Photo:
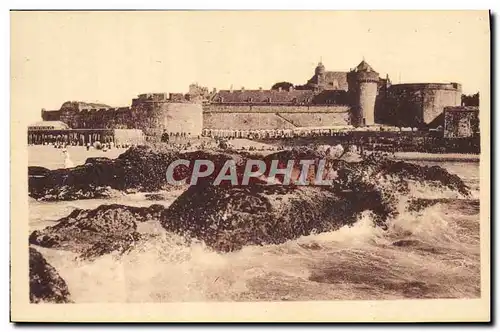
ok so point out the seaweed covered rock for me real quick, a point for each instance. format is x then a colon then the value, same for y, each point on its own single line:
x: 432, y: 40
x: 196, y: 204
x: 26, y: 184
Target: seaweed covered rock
x: 435, y: 176
x: 392, y: 179
x: 46, y: 285
x: 375, y: 176
x: 93, y: 233
x: 372, y: 170
x: 227, y: 218
x: 93, y: 180
x: 137, y: 169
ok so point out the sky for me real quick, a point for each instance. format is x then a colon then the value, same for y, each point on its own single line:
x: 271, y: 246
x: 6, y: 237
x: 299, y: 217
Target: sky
x: 111, y: 57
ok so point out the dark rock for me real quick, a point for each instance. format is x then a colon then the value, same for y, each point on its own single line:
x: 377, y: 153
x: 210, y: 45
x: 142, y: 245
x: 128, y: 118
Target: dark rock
x: 227, y: 218
x: 138, y: 169
x: 95, y: 232
x: 435, y: 175
x: 46, y: 285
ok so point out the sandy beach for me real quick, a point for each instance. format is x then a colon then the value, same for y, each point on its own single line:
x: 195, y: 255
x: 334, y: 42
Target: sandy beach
x: 49, y: 157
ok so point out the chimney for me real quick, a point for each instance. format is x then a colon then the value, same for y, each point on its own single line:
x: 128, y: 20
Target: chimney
x: 242, y: 88
x: 290, y: 88
x: 279, y: 89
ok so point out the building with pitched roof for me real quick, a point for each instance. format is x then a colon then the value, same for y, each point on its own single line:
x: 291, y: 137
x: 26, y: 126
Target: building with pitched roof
x: 329, y: 98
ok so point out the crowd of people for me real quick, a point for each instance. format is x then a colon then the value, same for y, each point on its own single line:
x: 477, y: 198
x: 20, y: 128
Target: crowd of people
x: 96, y: 145
x: 170, y: 136
x: 296, y: 132
x: 272, y: 133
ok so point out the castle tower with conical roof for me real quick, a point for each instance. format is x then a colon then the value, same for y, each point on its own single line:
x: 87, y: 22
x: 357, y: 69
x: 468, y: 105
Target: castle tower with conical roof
x: 363, y: 88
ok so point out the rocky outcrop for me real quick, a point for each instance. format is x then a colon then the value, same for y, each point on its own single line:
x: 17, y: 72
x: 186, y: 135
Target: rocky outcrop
x: 435, y: 176
x: 227, y: 218
x: 137, y: 169
x: 46, y: 285
x: 93, y: 233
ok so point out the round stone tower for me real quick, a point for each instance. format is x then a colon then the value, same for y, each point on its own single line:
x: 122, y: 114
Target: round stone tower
x: 157, y: 113
x: 363, y: 88
x: 320, y: 75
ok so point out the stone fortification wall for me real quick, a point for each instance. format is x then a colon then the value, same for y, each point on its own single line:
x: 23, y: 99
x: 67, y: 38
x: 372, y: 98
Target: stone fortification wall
x: 317, y: 119
x: 435, y: 100
x: 273, y: 116
x: 97, y: 118
x: 154, y: 113
x: 276, y: 108
x: 156, y: 118
x: 244, y: 121
x: 421, y: 103
x: 183, y: 118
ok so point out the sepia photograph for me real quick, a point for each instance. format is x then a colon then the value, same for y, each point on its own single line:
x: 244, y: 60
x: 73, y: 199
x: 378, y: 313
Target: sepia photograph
x: 250, y: 165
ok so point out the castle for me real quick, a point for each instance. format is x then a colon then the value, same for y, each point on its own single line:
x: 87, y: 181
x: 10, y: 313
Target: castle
x: 358, y: 98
